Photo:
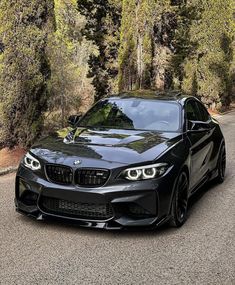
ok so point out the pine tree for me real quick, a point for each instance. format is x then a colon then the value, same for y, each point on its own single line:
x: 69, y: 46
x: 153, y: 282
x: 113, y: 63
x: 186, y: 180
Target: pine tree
x: 24, y: 68
x: 207, y: 69
x: 136, y: 45
x: 68, y: 51
x: 147, y: 35
x: 136, y: 49
x: 164, y: 38
x: 102, y: 28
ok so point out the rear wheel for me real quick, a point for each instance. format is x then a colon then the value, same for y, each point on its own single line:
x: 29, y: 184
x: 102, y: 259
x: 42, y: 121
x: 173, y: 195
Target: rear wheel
x: 221, y: 165
x: 180, y: 201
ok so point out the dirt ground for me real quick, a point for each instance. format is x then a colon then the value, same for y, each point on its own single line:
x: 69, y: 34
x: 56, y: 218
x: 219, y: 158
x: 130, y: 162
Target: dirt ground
x: 10, y: 158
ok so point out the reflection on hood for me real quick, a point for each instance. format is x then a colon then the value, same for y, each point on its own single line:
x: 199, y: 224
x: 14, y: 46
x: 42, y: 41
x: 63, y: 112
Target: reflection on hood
x: 124, y: 146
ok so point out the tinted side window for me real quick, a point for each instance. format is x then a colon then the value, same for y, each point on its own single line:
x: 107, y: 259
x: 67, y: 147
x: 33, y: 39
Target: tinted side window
x: 192, y: 111
x: 204, y: 114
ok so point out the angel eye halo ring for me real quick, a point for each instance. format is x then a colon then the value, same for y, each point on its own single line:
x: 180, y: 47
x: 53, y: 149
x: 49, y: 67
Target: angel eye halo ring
x: 145, y: 172
x: 31, y: 162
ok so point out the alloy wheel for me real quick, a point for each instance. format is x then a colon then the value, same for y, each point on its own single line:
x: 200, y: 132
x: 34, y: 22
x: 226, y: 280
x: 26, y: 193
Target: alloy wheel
x: 180, y: 201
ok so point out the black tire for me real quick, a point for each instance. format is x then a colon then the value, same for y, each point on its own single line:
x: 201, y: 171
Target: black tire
x: 180, y: 201
x: 221, y: 165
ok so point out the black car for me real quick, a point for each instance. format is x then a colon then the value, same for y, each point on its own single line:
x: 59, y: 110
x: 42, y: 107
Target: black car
x: 131, y: 160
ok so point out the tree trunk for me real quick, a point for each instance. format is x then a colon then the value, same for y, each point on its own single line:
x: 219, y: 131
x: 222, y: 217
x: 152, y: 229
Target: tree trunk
x: 139, y: 37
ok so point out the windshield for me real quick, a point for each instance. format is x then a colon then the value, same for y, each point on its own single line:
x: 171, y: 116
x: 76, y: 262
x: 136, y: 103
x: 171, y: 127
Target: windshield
x: 133, y: 114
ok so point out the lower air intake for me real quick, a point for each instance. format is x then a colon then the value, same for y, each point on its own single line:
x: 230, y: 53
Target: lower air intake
x: 74, y: 209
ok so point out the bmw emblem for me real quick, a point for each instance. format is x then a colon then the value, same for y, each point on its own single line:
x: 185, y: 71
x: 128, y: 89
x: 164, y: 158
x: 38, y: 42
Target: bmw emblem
x: 77, y: 162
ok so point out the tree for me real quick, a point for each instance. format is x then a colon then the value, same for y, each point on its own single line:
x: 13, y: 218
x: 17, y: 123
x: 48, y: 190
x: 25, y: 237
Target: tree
x: 164, y: 38
x: 207, y: 68
x: 184, y: 44
x: 147, y: 36
x: 24, y: 69
x: 102, y: 28
x: 68, y: 51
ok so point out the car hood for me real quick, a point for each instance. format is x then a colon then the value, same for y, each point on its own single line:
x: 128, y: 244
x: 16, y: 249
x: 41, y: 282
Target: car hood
x: 107, y: 145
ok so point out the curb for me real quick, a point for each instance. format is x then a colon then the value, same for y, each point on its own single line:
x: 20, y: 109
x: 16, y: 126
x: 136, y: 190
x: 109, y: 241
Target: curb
x: 8, y: 170
x: 228, y: 112
x: 221, y: 115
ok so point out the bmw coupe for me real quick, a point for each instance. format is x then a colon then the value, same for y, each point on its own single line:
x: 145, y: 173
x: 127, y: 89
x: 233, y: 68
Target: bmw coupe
x: 132, y: 160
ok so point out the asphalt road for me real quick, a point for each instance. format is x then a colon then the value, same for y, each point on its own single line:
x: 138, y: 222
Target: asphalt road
x: 201, y: 252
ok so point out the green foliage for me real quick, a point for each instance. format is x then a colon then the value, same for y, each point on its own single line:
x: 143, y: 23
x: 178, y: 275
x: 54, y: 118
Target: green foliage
x: 24, y: 68
x: 55, y: 54
x: 135, y: 53
x: 68, y: 51
x: 179, y: 44
x: 183, y: 46
x: 207, y: 68
x: 142, y: 29
x: 102, y: 28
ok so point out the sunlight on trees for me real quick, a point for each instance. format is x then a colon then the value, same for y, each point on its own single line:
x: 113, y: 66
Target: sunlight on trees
x: 58, y: 56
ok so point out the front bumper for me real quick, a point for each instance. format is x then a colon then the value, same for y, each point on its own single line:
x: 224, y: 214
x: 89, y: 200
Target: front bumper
x: 131, y: 204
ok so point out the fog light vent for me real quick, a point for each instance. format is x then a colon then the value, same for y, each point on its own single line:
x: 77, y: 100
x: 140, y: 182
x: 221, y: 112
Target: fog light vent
x: 137, y: 211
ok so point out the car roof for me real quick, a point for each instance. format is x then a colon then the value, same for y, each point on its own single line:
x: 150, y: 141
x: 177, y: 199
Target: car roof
x: 169, y: 95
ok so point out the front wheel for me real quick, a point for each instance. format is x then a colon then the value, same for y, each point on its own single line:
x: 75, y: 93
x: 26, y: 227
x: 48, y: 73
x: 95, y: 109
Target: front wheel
x: 221, y: 165
x: 180, y: 201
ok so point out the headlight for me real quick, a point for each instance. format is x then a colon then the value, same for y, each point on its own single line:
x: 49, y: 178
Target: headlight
x: 145, y: 172
x: 31, y: 162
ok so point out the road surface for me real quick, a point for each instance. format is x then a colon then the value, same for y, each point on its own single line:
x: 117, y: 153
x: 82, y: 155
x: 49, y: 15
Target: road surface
x: 201, y: 252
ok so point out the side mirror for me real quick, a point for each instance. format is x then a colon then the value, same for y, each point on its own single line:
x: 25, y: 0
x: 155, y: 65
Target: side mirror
x: 198, y: 126
x: 73, y: 120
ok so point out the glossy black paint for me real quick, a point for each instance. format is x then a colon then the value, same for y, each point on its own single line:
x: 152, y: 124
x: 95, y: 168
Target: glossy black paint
x: 193, y: 149
x: 73, y: 120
